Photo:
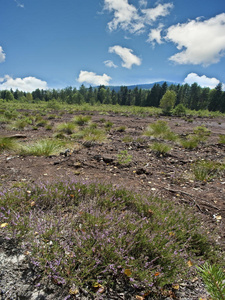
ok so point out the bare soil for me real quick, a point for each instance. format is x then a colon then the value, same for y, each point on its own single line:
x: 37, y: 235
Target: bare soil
x: 165, y: 176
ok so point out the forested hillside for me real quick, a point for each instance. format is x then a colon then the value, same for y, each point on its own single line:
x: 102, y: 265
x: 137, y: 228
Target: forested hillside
x: 191, y: 96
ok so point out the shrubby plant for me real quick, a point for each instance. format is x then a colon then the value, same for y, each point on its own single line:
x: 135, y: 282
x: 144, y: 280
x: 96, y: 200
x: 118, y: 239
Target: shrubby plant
x: 180, y: 110
x: 82, y: 233
x: 160, y: 148
x: 214, y: 279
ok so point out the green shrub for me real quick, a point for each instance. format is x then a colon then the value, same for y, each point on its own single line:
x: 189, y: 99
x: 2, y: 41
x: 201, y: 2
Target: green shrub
x: 214, y: 280
x: 160, y: 148
x: 124, y: 158
x: 180, y: 110
x: 189, y: 143
x: 202, y: 133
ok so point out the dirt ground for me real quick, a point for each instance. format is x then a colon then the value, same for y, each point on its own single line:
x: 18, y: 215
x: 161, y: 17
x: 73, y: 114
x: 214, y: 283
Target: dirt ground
x: 166, y: 176
x: 169, y: 177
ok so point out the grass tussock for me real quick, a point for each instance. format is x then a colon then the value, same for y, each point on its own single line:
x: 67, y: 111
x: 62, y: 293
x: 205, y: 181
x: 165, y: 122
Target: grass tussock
x: 7, y: 143
x: 160, y: 148
x: 82, y: 233
x: 43, y: 147
x: 206, y: 170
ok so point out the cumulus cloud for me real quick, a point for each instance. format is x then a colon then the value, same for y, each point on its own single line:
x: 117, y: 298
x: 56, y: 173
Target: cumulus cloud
x: 161, y: 10
x: 128, y: 58
x: 110, y: 64
x: 155, y: 35
x: 2, y: 55
x: 200, y: 42
x: 93, y: 78
x: 127, y: 17
x: 26, y: 84
x: 203, y: 80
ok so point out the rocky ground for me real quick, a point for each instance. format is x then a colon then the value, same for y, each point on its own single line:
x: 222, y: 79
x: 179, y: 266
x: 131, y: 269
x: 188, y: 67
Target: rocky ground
x: 166, y: 176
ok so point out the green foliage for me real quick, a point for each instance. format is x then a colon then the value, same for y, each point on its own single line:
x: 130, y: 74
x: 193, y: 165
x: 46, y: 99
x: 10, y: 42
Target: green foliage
x: 127, y: 139
x: 160, y: 129
x: 67, y: 128
x: 124, y: 158
x: 90, y: 134
x: 189, y: 143
x: 221, y: 139
x: 168, y: 101
x: 81, y: 120
x: 205, y: 170
x: 8, y: 144
x: 202, y: 133
x: 43, y: 147
x: 160, y: 148
x: 121, y: 128
x: 157, y: 129
x: 108, y: 125
x: 180, y: 110
x: 214, y: 280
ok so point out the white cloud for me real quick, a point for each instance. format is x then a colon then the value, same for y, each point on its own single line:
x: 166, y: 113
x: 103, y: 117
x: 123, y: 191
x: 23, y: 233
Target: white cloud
x: 161, y: 10
x: 2, y: 55
x: 125, y: 16
x: 203, y: 80
x: 26, y: 84
x: 110, y: 64
x: 129, y: 59
x: 143, y: 3
x: 93, y: 78
x: 203, y: 41
x: 19, y: 4
x: 155, y: 35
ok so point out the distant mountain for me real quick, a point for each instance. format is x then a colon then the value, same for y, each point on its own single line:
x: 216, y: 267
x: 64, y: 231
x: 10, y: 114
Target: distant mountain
x: 146, y: 86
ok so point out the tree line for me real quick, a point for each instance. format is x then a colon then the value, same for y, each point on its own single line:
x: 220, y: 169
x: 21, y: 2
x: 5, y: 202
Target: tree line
x: 191, y: 96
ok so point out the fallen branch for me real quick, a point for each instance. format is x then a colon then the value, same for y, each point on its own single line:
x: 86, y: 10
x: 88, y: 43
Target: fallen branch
x: 192, y: 196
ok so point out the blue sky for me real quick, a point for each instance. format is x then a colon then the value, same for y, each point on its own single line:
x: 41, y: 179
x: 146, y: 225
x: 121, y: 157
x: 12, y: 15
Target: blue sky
x: 60, y: 43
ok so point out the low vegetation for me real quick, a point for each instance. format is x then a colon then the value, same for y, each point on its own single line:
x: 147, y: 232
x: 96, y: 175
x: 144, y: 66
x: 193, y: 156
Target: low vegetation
x: 88, y: 234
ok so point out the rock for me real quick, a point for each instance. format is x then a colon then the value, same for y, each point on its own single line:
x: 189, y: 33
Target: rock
x: 108, y: 159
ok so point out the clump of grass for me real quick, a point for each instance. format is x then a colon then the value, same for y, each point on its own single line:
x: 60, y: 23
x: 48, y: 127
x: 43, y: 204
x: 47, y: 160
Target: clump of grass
x: 11, y: 114
x: 160, y: 129
x: 157, y: 129
x: 222, y: 139
x: 160, y: 148
x: 20, y: 124
x: 121, y: 128
x: 90, y: 134
x: 7, y: 143
x: 108, y: 125
x: 81, y: 120
x: 189, y: 143
x: 205, y: 170
x: 43, y: 147
x: 80, y: 233
x: 124, y: 158
x: 67, y: 128
x: 202, y: 133
x: 127, y: 139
